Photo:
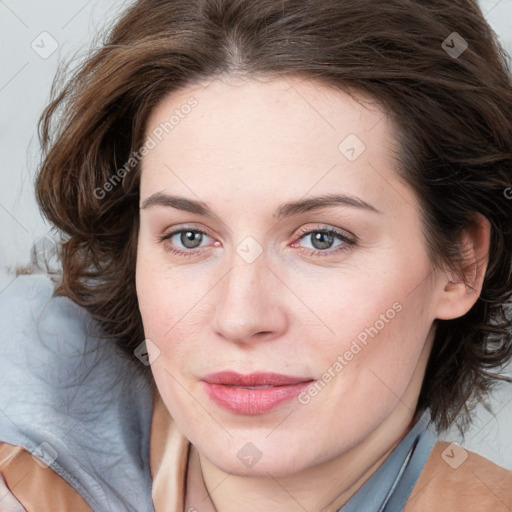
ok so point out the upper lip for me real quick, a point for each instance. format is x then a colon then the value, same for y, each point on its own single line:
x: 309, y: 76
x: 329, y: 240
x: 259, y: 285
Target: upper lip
x: 230, y: 378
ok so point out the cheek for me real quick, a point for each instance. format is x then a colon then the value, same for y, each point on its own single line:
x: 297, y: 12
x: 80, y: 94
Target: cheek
x: 350, y: 306
x: 160, y: 295
x: 173, y: 305
x: 378, y: 330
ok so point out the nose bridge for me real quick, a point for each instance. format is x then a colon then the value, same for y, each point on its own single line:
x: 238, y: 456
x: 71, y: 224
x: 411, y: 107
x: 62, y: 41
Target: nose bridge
x: 242, y: 281
x: 247, y: 304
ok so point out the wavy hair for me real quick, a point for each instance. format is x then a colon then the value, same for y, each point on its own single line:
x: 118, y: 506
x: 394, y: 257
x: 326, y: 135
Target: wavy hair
x: 435, y: 66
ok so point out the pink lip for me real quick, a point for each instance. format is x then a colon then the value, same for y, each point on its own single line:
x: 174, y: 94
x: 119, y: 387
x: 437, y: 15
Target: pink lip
x: 227, y: 390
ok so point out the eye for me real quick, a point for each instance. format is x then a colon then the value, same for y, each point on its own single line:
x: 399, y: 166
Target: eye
x: 184, y: 240
x: 323, y: 240
x: 187, y: 241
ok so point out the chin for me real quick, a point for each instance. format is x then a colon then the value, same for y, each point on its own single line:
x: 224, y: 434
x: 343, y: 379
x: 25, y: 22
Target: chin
x: 246, y: 458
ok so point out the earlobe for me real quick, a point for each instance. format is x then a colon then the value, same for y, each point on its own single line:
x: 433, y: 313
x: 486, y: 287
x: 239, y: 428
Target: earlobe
x: 461, y: 291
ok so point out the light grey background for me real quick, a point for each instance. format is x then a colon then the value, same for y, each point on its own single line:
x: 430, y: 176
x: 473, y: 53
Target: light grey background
x: 26, y: 74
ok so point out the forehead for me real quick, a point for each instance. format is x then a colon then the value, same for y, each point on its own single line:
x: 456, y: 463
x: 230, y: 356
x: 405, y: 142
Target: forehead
x: 287, y: 132
x: 286, y: 107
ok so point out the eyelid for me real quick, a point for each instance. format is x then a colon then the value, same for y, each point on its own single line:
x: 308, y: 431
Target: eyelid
x: 324, y: 227
x: 347, y: 242
x: 347, y: 239
x: 180, y: 229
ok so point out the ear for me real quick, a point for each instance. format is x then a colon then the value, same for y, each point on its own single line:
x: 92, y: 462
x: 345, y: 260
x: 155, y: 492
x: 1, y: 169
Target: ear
x: 460, y: 292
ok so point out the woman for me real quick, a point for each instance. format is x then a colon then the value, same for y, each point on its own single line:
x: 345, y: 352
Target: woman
x: 293, y: 219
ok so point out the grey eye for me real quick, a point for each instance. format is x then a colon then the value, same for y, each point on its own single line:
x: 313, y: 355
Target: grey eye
x: 191, y: 239
x: 321, y: 240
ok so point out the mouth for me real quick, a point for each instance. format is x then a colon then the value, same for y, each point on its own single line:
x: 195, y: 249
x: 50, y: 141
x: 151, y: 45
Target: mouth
x: 252, y: 394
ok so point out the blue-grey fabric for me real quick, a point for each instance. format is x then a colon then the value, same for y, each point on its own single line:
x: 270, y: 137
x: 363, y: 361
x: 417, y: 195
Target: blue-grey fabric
x: 65, y: 390
x: 59, y: 381
x: 391, y: 485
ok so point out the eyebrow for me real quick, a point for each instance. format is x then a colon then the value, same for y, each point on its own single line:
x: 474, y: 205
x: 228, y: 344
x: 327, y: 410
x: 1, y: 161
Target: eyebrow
x: 285, y: 210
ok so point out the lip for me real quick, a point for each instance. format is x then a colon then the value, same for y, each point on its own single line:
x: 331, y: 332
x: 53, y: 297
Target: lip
x: 228, y: 390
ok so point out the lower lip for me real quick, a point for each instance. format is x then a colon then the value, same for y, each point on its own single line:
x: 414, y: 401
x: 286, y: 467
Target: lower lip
x: 253, y: 401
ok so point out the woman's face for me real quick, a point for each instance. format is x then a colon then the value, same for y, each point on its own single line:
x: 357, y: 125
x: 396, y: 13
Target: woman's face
x: 276, y: 237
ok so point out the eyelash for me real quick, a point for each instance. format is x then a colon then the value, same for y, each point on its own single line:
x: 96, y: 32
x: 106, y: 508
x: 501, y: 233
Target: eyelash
x: 318, y: 253
x: 345, y: 246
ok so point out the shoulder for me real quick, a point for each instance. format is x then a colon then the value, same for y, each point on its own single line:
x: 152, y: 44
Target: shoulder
x: 457, y: 479
x: 47, y: 349
x: 31, y: 291
x: 27, y: 307
x: 36, y: 486
x: 68, y: 391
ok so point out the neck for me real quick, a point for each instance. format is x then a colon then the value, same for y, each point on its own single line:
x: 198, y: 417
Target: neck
x: 326, y: 486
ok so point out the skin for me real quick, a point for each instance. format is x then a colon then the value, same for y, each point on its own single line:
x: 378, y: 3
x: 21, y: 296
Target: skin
x: 248, y: 147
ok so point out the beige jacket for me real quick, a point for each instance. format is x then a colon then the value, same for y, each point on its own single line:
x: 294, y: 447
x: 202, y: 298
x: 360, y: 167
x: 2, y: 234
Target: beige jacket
x: 477, y: 485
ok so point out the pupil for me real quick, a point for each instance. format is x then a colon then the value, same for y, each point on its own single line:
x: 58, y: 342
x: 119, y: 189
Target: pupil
x: 189, y: 239
x: 323, y: 239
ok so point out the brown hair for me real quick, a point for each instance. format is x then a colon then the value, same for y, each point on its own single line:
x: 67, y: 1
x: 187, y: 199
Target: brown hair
x: 453, y: 113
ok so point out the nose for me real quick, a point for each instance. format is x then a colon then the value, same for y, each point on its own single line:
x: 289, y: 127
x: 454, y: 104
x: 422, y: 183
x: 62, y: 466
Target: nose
x: 249, y: 305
